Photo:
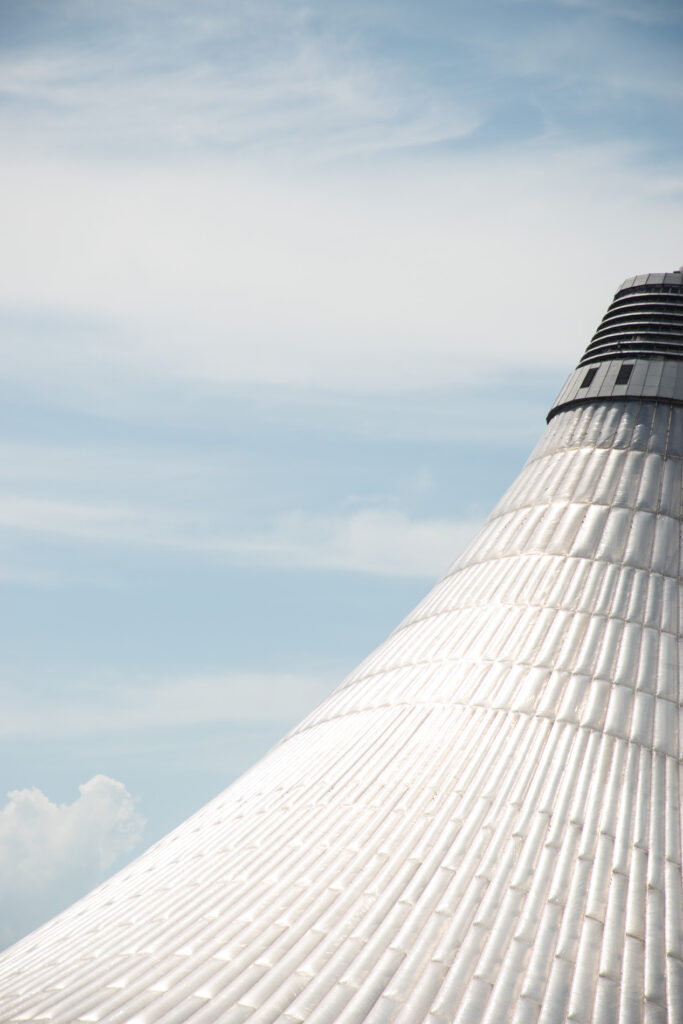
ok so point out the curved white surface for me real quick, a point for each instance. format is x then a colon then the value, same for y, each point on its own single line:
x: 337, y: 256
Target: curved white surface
x: 481, y: 824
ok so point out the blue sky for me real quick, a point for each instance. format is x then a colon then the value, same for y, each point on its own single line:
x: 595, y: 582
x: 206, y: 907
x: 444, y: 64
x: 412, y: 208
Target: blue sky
x: 286, y: 293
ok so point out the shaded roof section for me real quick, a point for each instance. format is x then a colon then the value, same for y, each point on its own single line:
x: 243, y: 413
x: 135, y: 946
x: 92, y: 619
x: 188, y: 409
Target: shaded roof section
x: 644, y: 320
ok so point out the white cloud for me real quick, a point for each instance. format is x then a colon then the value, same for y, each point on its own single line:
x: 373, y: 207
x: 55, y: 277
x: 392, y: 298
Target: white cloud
x: 270, y: 247
x: 375, y: 540
x: 645, y: 11
x: 70, y: 519
x: 51, y: 854
x: 117, y: 703
x: 378, y: 540
x: 410, y: 279
x: 292, y: 89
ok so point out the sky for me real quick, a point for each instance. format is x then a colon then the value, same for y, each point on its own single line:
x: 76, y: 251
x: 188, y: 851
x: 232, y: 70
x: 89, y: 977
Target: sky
x: 286, y: 293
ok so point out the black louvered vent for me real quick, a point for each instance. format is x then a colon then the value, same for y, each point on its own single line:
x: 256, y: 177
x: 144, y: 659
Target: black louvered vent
x: 644, y: 321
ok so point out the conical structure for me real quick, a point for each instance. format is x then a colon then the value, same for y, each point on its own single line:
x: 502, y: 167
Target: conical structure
x: 482, y: 824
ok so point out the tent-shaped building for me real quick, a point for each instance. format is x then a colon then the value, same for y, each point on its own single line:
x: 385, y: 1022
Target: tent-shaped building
x: 482, y: 824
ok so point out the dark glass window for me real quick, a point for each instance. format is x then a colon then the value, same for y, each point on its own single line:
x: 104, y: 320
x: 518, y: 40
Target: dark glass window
x: 624, y: 374
x: 588, y: 379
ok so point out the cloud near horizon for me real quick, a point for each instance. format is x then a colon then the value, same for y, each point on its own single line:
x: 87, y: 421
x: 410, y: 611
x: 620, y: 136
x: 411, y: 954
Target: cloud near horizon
x: 52, y: 854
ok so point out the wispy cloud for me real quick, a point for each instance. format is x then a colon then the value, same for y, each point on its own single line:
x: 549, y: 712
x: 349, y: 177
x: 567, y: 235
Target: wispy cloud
x: 71, y: 519
x: 357, y: 285
x: 372, y: 540
x: 378, y: 541
x: 271, y: 248
x: 648, y: 11
x: 265, y: 80
x: 313, y: 83
x: 111, y: 703
x: 605, y: 57
x: 297, y: 196
x: 50, y: 854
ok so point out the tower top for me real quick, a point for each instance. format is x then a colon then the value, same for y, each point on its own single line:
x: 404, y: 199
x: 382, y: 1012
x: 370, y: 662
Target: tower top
x: 674, y: 277
x: 644, y: 320
x: 637, y: 350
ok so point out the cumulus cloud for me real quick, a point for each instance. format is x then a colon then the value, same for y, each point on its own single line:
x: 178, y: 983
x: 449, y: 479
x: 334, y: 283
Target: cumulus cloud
x: 51, y: 854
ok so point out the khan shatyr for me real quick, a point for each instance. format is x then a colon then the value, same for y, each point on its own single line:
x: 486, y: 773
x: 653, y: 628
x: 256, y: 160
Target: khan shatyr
x: 482, y: 824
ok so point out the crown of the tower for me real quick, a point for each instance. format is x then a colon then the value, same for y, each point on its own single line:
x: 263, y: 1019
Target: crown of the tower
x: 637, y: 350
x: 644, y: 321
